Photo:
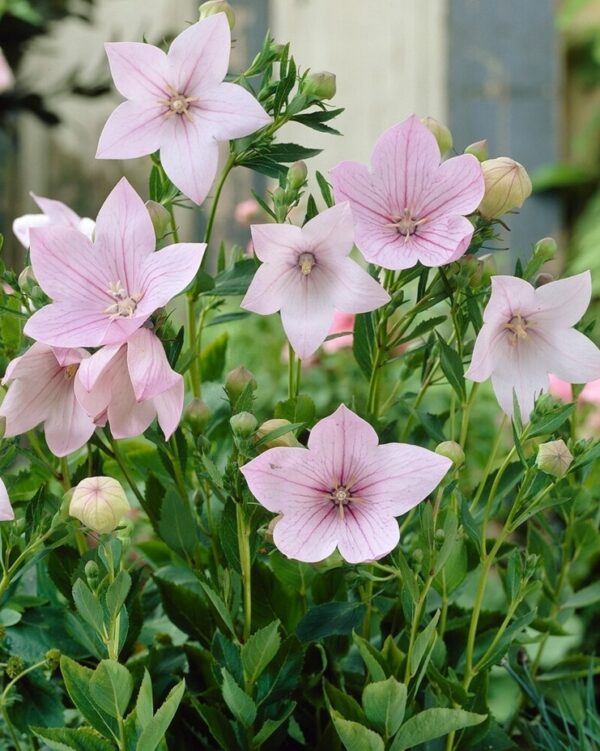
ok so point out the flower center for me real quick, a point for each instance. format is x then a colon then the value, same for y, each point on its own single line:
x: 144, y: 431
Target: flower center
x: 518, y: 328
x: 341, y: 496
x: 178, y: 104
x: 70, y: 370
x: 124, y: 305
x: 406, y: 224
x: 306, y: 261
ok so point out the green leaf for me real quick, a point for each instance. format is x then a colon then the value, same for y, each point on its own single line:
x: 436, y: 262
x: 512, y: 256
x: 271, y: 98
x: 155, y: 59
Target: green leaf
x: 584, y: 597
x: 431, y: 724
x: 177, y: 525
x: 184, y: 600
x: 329, y: 619
x: 343, y: 703
x: 270, y: 726
x: 299, y: 409
x: 212, y: 358
x: 290, y: 152
x: 422, y: 642
x: 111, y: 687
x: 422, y: 328
x: 325, y: 189
x: 236, y: 280
x: 356, y: 737
x: 363, y: 343
x: 87, y: 605
x: 220, y: 608
x: 77, y: 682
x: 259, y: 650
x: 371, y: 657
x: 550, y: 422
x: 241, y: 705
x: 155, y: 730
x: 452, y: 368
x: 218, y: 724
x: 67, y: 739
x: 144, y: 707
x: 316, y: 120
x: 385, y: 704
x: 117, y: 592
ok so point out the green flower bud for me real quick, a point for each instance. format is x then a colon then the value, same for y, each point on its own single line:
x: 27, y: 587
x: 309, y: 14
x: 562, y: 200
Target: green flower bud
x: 92, y: 573
x: 451, y: 450
x: 479, y: 149
x: 440, y: 535
x: 100, y: 503
x: 26, y: 278
x: 545, y: 250
x: 296, y: 175
x: 441, y: 133
x: 507, y: 186
x: 554, y: 458
x: 287, y: 439
x: 320, y: 84
x: 197, y: 415
x: 212, y: 7
x: 52, y: 659
x: 14, y: 666
x: 236, y: 382
x: 243, y: 424
x: 543, y: 278
x: 417, y: 555
x: 160, y: 218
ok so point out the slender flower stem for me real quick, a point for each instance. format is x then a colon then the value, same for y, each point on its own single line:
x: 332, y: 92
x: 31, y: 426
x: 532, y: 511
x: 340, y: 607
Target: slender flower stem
x: 246, y: 567
x: 466, y: 413
x: 291, y: 372
x: 490, y: 462
x: 178, y: 469
x: 229, y: 165
x: 415, y: 626
x: 78, y: 535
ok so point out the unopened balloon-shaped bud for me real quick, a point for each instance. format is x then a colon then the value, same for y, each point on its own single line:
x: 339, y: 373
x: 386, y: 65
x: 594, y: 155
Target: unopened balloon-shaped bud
x: 479, y: 149
x: 100, y: 503
x: 243, y: 424
x: 441, y: 133
x: 554, y: 458
x: 281, y: 439
x: 92, y: 573
x: 160, y: 217
x: 197, y: 415
x: 543, y: 278
x: 451, y: 450
x: 212, y: 7
x: 236, y: 382
x: 296, y: 176
x: 545, y: 250
x: 507, y: 186
x: 27, y: 278
x: 319, y: 84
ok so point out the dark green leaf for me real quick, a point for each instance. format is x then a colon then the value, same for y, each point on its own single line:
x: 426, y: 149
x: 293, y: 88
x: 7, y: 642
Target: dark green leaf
x: 329, y: 619
x: 452, y: 367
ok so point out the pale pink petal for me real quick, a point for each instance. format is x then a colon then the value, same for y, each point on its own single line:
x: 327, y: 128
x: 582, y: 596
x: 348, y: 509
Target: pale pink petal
x: 285, y: 479
x: 87, y: 226
x: 406, y: 158
x: 510, y: 295
x: 591, y: 393
x: 457, y: 188
x: 398, y: 477
x: 6, y: 511
x: 352, y: 289
x: 439, y: 241
x: 65, y: 356
x: 307, y: 313
x: 169, y: 406
x: 127, y: 417
x: 270, y: 288
x: 342, y: 322
x: 281, y: 243
x: 229, y: 111
x: 93, y: 382
x: 568, y: 354
x: 38, y: 357
x: 28, y: 400
x: 124, y: 236
x: 58, y: 212
x: 67, y: 427
x: 365, y: 534
x: 23, y: 224
x: 563, y: 303
x: 75, y: 325
x: 190, y: 157
x: 487, y: 353
x: 148, y: 366
x: 522, y: 373
x: 199, y: 56
x: 330, y: 233
x: 167, y: 273
x: 132, y: 130
x: 66, y: 266
x: 139, y: 70
x: 345, y: 443
x: 310, y: 534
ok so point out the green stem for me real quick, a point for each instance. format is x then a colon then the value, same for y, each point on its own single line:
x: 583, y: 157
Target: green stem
x: 466, y: 414
x: 80, y: 541
x: 291, y: 372
x: 178, y: 469
x: 124, y: 469
x: 415, y: 626
x: 229, y: 165
x: 490, y: 463
x: 246, y: 567
x: 11, y: 729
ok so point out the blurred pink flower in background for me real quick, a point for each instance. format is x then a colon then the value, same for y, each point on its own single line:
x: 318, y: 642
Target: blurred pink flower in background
x: 247, y: 211
x: 7, y: 79
x: 6, y: 511
x: 343, y: 491
x: 341, y: 322
x: 563, y: 390
x: 41, y: 390
x: 54, y: 213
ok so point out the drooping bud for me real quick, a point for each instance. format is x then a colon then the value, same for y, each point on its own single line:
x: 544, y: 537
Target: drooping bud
x: 286, y: 439
x: 479, y: 149
x: 320, y: 84
x: 243, y: 424
x: 545, y: 249
x: 236, y: 382
x: 441, y: 133
x: 296, y: 175
x: 197, y: 415
x: 100, y: 503
x: 554, y: 458
x: 451, y: 450
x: 160, y: 218
x: 212, y: 7
x: 507, y: 186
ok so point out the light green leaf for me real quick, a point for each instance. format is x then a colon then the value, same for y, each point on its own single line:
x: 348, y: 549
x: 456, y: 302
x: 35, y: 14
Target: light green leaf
x: 117, y: 593
x: 371, y: 657
x: 111, y: 687
x: 433, y: 723
x: 87, y: 605
x: 584, y: 597
x: 259, y: 650
x: 67, y: 739
x: 356, y: 737
x: 422, y: 642
x: 270, y: 726
x: 220, y: 607
x: 77, y: 682
x: 155, y: 730
x: 384, y: 703
x: 145, y: 705
x: 241, y: 705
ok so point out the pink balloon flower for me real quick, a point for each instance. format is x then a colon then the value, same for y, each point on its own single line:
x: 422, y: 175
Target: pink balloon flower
x: 129, y: 385
x: 41, y: 391
x: 528, y: 333
x: 104, y: 291
x: 178, y: 103
x: 54, y: 212
x: 6, y: 511
x: 307, y: 275
x: 411, y: 208
x: 343, y: 491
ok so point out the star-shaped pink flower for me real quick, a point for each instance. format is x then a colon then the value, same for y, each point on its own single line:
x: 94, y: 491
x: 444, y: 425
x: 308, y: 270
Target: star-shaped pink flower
x: 307, y: 275
x: 6, y: 510
x: 343, y: 491
x: 410, y: 207
x: 54, y: 212
x: 41, y: 391
x: 131, y: 384
x: 178, y: 103
x: 528, y: 333
x: 104, y: 291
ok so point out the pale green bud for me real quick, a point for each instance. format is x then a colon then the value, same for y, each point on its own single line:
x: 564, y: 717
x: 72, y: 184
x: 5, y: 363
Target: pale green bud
x: 320, y: 84
x: 26, y: 278
x: 451, y: 450
x: 160, y: 218
x: 545, y: 250
x: 197, y: 415
x: 296, y: 175
x: 236, y: 382
x: 554, y: 458
x: 243, y: 424
x: 507, y: 186
x: 440, y: 132
x: 478, y: 149
x: 100, y: 503
x: 287, y: 439
x: 212, y: 7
